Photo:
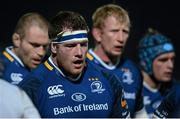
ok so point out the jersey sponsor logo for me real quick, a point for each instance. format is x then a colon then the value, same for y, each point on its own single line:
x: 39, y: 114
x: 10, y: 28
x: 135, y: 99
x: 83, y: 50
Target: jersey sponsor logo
x: 156, y: 104
x: 161, y: 113
x: 80, y: 108
x: 146, y: 100
x: 127, y: 77
x: 78, y: 97
x: 91, y: 107
x: 128, y: 95
x: 96, y: 86
x: 16, y: 78
x: 55, y: 90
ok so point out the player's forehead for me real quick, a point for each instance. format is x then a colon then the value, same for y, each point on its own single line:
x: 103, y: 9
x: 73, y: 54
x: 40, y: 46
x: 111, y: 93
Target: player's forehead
x: 167, y: 55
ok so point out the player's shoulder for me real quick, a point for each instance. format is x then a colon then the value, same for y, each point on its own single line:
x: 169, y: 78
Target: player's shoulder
x: 6, y: 58
x: 176, y: 86
x: 130, y: 65
x: 127, y: 62
x: 36, y: 74
x: 95, y: 69
x: 43, y: 68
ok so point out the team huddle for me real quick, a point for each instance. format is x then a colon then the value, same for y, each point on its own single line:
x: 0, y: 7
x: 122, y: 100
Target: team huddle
x: 51, y: 65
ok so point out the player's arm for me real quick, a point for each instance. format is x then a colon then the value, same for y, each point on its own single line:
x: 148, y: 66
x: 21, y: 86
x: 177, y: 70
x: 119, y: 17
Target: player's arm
x: 120, y: 107
x: 31, y: 85
x: 140, y: 111
x: 168, y: 104
x: 29, y: 110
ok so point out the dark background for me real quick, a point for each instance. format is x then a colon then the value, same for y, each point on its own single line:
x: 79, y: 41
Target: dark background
x: 159, y: 14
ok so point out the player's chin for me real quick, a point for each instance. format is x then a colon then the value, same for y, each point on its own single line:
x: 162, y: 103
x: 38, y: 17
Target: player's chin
x: 33, y: 65
x: 78, y: 70
x: 167, y: 79
x: 116, y: 53
x: 168, y: 76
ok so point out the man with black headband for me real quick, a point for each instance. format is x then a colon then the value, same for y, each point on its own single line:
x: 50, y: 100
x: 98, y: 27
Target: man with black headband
x: 156, y: 54
x: 65, y: 86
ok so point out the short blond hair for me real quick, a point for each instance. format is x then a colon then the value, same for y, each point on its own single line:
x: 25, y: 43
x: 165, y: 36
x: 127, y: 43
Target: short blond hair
x: 105, y: 11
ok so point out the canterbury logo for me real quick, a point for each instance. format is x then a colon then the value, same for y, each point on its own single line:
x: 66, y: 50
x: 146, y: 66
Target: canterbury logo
x: 54, y: 90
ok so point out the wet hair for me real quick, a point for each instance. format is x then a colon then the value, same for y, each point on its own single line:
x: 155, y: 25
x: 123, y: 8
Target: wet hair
x: 28, y: 20
x: 66, y: 20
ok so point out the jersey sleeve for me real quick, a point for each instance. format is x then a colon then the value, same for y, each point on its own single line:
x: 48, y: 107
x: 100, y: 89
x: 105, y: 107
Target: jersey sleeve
x: 165, y: 107
x: 139, y: 96
x: 29, y: 109
x: 120, y: 107
x: 169, y: 105
x: 30, y: 85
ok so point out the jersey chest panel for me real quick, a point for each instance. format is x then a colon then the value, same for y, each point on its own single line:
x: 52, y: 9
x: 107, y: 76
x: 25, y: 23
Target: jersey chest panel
x: 59, y: 97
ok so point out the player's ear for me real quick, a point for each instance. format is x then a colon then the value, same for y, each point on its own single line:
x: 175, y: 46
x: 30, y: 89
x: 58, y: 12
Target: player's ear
x: 96, y: 32
x: 16, y: 40
x: 53, y: 48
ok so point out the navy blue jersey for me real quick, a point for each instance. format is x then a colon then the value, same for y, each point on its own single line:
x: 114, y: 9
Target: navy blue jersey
x: 14, y: 70
x: 151, y: 98
x: 128, y: 75
x: 170, y: 105
x: 95, y: 94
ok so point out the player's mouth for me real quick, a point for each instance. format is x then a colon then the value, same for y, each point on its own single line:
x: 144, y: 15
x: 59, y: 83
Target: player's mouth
x: 168, y: 75
x: 36, y: 61
x: 78, y: 64
x: 118, y: 48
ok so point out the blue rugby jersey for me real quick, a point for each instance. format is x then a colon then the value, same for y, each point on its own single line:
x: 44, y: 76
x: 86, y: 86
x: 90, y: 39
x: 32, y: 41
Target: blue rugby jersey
x: 129, y: 76
x: 170, y: 105
x: 95, y: 94
x: 151, y: 98
x: 14, y: 70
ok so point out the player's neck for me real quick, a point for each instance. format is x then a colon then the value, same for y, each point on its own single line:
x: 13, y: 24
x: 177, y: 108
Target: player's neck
x: 64, y: 73
x: 14, y: 50
x: 104, y: 57
x: 149, y: 81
